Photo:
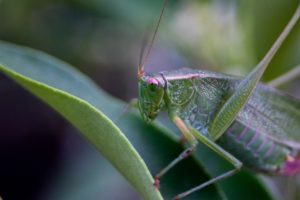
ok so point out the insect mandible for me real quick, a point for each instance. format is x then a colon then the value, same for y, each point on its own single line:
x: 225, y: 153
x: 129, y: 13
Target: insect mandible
x: 245, y: 122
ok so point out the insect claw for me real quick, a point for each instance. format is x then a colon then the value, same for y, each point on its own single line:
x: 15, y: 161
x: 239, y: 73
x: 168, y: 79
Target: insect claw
x: 156, y: 182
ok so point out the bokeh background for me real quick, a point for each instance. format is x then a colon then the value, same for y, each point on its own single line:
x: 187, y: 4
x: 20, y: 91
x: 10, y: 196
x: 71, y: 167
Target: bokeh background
x: 41, y: 155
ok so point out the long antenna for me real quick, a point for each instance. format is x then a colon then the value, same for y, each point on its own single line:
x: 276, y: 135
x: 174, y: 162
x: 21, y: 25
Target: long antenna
x: 143, y: 47
x: 143, y: 59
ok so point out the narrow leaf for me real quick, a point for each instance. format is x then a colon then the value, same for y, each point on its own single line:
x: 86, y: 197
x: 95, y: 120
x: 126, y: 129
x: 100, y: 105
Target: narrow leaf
x: 80, y: 101
x: 37, y: 73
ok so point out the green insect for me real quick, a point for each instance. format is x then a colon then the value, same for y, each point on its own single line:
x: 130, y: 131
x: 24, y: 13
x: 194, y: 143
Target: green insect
x: 245, y: 122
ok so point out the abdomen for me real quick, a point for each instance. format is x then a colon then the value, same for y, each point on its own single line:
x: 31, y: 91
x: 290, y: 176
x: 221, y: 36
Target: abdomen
x: 253, y: 148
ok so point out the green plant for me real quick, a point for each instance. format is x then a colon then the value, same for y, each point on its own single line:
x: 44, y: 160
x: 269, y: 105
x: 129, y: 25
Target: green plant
x: 95, y: 114
x: 88, y: 108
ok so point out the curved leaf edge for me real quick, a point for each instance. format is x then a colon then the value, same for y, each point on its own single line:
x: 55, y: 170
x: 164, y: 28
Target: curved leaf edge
x: 165, y: 130
x: 144, y: 183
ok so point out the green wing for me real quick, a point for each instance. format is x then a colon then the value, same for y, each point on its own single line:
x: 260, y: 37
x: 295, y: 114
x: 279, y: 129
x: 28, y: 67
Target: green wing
x: 271, y: 112
x: 275, y: 114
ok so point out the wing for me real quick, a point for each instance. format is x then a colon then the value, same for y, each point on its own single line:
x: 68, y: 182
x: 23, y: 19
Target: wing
x: 275, y: 114
x: 271, y: 112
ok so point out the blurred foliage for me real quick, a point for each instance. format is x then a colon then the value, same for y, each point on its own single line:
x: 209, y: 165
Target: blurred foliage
x: 103, y: 38
x: 266, y: 21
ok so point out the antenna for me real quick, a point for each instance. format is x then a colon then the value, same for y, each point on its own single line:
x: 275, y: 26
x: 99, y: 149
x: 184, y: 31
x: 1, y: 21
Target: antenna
x: 142, y: 58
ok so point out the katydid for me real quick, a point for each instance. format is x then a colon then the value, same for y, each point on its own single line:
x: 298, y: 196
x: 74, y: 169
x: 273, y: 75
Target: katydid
x: 245, y: 122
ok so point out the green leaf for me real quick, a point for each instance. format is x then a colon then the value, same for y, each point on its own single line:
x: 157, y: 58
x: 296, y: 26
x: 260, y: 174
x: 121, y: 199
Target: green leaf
x: 61, y: 87
x: 80, y: 101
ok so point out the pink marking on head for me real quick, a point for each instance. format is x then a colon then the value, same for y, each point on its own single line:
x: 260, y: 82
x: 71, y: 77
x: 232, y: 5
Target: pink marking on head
x: 152, y: 81
x: 291, y: 167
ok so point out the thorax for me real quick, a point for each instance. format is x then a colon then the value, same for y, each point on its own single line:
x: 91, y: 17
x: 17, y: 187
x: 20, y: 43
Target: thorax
x: 195, y: 95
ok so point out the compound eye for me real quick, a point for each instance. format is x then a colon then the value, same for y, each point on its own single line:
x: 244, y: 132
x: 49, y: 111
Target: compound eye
x: 153, y: 84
